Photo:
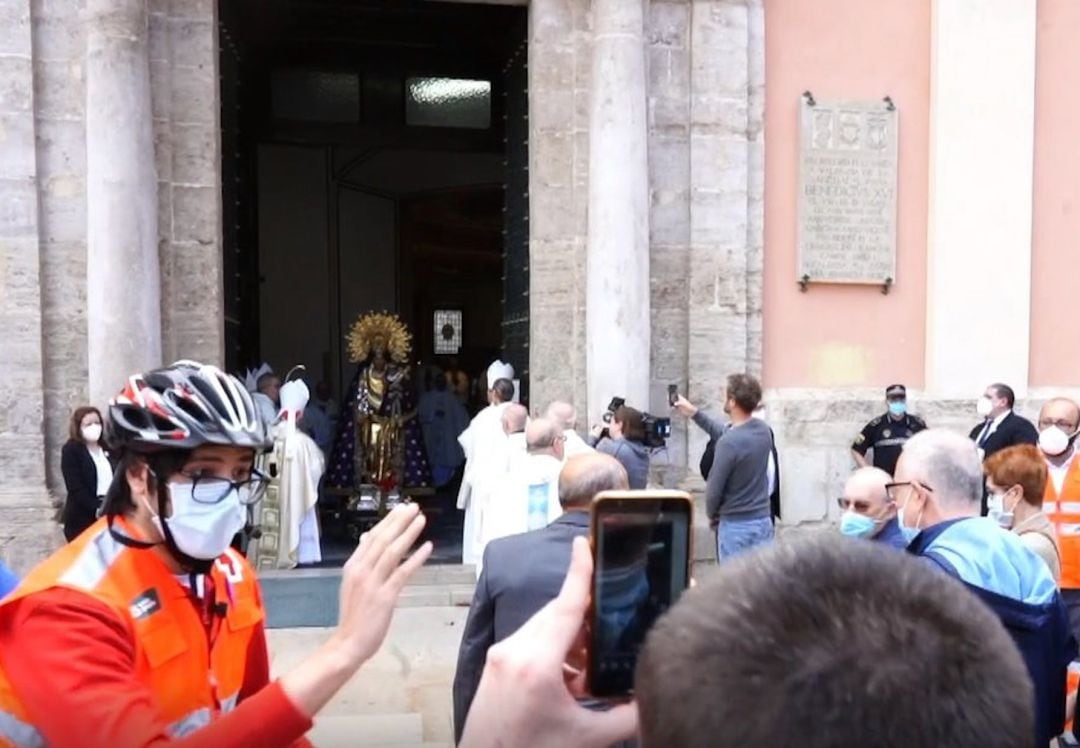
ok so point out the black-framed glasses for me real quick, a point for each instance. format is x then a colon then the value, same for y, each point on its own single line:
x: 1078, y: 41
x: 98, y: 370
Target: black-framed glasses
x: 890, y: 488
x: 212, y: 489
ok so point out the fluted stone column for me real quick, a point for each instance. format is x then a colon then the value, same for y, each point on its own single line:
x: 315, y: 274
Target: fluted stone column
x: 123, y: 285
x: 617, y: 292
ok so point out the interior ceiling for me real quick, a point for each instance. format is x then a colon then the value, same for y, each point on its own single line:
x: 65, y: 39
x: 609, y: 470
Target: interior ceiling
x: 369, y: 30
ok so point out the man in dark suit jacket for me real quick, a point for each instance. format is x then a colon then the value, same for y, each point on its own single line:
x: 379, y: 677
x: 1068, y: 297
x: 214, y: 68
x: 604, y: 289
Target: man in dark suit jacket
x: 522, y: 573
x: 1001, y: 427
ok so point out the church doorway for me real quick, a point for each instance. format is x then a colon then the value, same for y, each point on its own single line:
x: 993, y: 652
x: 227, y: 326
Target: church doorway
x: 374, y: 157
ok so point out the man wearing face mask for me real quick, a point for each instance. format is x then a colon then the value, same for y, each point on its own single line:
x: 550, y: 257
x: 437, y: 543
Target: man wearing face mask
x: 147, y: 629
x: 868, y: 513
x: 938, y: 486
x: 886, y: 434
x: 1058, y: 422
x: 1000, y: 427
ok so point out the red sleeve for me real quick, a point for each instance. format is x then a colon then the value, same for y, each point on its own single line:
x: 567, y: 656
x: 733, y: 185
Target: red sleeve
x: 70, y: 660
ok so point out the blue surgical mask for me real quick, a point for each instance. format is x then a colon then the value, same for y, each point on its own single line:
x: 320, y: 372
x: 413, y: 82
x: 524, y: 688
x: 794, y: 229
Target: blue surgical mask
x: 856, y: 525
x: 898, y: 407
x: 909, y: 533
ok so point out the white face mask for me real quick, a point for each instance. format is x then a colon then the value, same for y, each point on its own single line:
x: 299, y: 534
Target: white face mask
x: 1053, y: 441
x: 983, y: 406
x: 995, y: 510
x: 202, y: 531
x: 91, y: 433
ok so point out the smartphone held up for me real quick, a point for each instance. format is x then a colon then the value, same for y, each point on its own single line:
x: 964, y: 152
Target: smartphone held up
x: 641, y: 543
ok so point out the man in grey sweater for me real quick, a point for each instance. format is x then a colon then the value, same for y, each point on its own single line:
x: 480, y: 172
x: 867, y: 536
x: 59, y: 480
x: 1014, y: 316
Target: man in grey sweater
x: 737, y: 489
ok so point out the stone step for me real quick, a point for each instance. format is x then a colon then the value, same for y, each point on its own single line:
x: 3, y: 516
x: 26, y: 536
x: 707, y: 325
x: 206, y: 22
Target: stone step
x: 309, y: 597
x: 339, y: 731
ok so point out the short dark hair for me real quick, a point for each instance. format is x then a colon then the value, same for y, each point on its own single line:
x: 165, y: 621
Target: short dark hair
x: 75, y: 427
x: 632, y: 422
x: 817, y: 643
x: 745, y: 390
x: 1005, y: 391
x: 503, y: 389
x: 164, y: 464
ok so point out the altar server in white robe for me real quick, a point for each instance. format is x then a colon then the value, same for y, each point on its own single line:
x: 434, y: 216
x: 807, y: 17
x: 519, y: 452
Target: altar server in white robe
x: 482, y: 440
x: 527, y: 496
x: 514, y: 420
x: 301, y: 463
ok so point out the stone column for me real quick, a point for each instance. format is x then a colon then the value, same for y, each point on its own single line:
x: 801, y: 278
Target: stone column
x: 123, y: 285
x: 26, y: 534
x: 617, y: 264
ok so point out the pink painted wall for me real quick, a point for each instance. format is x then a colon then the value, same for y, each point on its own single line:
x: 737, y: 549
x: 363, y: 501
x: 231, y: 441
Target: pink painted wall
x: 836, y: 335
x: 1055, y: 259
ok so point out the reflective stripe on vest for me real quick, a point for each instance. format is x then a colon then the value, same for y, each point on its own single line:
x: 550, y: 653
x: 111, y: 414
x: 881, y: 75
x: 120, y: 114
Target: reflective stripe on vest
x: 93, y: 562
x: 20, y: 733
x: 196, y: 720
x: 229, y: 703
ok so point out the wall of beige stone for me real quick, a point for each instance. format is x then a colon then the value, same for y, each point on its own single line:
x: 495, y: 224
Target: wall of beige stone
x: 187, y: 151
x: 24, y: 503
x: 43, y: 231
x: 705, y: 91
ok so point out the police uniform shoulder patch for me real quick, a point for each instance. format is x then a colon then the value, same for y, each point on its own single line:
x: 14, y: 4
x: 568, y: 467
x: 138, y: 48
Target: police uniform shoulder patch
x: 860, y: 438
x: 876, y: 421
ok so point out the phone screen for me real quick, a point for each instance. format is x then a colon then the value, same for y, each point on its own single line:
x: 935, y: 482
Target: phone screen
x: 642, y: 551
x: 672, y: 394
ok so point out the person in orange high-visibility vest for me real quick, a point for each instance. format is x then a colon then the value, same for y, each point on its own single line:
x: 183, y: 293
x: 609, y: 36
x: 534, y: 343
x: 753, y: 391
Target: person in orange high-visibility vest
x: 147, y: 629
x: 1059, y: 420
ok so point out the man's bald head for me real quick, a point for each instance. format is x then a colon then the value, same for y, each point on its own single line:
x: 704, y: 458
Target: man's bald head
x: 543, y: 435
x: 584, y: 476
x: 1061, y: 412
x: 514, y: 418
x: 864, y: 493
x: 563, y: 414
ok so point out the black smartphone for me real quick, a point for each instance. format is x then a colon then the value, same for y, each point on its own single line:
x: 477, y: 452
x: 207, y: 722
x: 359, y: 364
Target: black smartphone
x: 641, y: 565
x: 672, y: 394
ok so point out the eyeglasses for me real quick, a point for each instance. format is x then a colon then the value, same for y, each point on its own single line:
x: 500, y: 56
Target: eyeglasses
x: 211, y: 489
x: 890, y: 488
x: 1066, y: 426
x: 857, y: 505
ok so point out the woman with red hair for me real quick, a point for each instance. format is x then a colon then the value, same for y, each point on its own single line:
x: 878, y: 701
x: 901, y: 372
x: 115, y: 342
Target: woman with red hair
x: 1015, y: 481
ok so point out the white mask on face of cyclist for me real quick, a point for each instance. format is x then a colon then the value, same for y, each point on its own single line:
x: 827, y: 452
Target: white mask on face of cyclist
x: 202, y: 530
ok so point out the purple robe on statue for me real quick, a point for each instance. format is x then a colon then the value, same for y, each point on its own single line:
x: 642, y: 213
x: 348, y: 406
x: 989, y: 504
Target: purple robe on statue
x: 341, y: 471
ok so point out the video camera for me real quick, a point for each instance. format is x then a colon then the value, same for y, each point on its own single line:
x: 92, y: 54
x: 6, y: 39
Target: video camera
x: 657, y: 430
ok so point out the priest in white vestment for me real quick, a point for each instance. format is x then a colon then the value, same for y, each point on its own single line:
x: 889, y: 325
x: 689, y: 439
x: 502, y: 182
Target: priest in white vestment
x: 482, y: 441
x: 301, y: 464
x: 527, y: 497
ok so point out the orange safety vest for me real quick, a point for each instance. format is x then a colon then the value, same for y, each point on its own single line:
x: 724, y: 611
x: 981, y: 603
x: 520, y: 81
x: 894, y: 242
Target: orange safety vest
x: 1064, y: 513
x: 192, y: 680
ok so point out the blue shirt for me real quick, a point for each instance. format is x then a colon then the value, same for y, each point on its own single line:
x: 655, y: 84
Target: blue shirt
x: 8, y: 581
x: 891, y: 536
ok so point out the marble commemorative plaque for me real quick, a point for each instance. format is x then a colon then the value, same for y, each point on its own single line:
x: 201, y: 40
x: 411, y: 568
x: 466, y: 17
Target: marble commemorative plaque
x: 847, y: 192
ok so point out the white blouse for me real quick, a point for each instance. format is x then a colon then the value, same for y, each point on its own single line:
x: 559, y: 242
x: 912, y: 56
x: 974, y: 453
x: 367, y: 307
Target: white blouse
x: 104, y: 469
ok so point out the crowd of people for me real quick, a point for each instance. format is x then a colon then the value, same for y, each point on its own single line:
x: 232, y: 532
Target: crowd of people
x: 944, y: 609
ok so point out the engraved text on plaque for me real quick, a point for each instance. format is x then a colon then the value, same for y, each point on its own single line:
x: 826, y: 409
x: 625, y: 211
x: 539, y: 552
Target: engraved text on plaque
x: 847, y: 192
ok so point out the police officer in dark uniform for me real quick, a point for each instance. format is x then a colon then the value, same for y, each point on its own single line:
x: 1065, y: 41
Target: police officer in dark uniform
x: 887, y: 433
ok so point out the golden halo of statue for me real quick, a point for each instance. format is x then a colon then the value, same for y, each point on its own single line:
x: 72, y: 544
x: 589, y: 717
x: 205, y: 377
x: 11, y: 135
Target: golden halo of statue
x: 383, y: 327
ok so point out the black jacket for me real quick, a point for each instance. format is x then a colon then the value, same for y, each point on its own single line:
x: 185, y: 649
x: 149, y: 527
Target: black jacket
x: 1012, y: 430
x: 80, y: 480
x: 522, y: 573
